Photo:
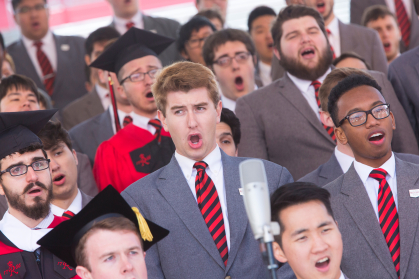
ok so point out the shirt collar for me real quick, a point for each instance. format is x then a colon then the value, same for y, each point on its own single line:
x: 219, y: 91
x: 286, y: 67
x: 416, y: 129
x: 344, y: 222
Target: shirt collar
x: 228, y: 103
x: 213, y: 160
x: 302, y: 84
x: 74, y: 207
x: 140, y: 121
x: 48, y: 39
x: 121, y: 116
x: 345, y: 161
x: 364, y: 170
x: 334, y: 27
x: 137, y: 19
x: 102, y: 92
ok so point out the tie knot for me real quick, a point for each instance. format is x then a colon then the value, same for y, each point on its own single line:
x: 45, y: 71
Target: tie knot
x: 328, y: 31
x: 200, y: 166
x: 155, y: 123
x: 129, y: 25
x: 127, y: 120
x: 378, y: 174
x: 68, y: 214
x: 316, y: 84
x: 38, y: 44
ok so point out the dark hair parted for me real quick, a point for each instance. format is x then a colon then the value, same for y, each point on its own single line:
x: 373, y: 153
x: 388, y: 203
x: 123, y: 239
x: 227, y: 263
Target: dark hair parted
x: 258, y: 12
x: 52, y: 134
x: 185, y: 31
x: 229, y: 118
x: 101, y: 35
x: 211, y: 14
x: 294, y: 194
x: 17, y: 82
x: 16, y: 3
x: 220, y: 38
x: 350, y: 54
x: 294, y: 12
x: 375, y: 12
x: 344, y: 86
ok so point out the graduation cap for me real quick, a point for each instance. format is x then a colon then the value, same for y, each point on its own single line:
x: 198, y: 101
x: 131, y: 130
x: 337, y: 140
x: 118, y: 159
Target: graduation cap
x: 18, y: 129
x: 64, y: 238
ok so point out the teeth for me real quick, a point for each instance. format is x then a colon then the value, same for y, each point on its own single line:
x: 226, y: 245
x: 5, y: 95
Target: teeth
x: 323, y: 260
x: 376, y: 135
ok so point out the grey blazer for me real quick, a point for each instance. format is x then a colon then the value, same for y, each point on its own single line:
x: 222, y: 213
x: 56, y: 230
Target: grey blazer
x: 361, y: 40
x: 85, y: 179
x: 403, y: 74
x: 165, y: 198
x: 81, y: 109
x: 88, y: 135
x: 365, y: 251
x: 70, y: 76
x: 278, y: 125
x: 358, y: 7
x: 166, y: 27
x: 331, y: 170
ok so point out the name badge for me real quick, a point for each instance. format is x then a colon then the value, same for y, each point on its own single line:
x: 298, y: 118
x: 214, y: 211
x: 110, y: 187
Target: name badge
x: 65, y: 47
x: 414, y: 193
x: 241, y: 191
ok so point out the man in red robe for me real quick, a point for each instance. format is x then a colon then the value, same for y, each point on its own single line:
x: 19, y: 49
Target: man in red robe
x: 142, y: 146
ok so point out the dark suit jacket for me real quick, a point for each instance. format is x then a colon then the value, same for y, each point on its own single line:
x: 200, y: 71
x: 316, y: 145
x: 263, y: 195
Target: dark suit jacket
x: 365, y: 251
x: 88, y: 135
x: 278, y: 125
x: 165, y: 198
x: 69, y: 78
x: 85, y: 179
x: 358, y: 7
x: 331, y: 170
x: 363, y: 41
x: 81, y: 109
x: 166, y: 27
x: 403, y: 74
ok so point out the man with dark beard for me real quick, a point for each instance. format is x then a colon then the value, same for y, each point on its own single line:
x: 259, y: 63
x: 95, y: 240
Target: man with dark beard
x: 25, y: 180
x: 281, y: 122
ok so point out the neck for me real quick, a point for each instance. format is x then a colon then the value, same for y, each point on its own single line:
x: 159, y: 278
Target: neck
x: 393, y: 58
x: 30, y: 223
x: 126, y: 16
x: 266, y: 61
x: 150, y: 115
x: 345, y: 149
x: 124, y: 108
x: 373, y: 162
x: 329, y: 19
x: 65, y: 202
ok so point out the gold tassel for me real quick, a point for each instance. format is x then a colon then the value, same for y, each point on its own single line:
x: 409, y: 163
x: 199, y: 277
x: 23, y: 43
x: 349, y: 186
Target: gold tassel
x: 142, y: 223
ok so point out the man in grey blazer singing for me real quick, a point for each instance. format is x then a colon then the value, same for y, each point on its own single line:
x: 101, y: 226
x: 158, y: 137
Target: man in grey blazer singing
x: 197, y: 195
x: 375, y: 202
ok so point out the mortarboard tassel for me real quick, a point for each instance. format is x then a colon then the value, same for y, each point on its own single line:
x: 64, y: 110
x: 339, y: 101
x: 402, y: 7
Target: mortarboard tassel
x: 113, y: 100
x: 142, y: 223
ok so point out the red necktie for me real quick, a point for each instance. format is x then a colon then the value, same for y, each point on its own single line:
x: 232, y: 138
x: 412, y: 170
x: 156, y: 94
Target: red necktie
x: 68, y: 214
x: 129, y: 25
x: 210, y: 207
x: 389, y: 218
x: 47, y: 72
x: 156, y: 124
x: 316, y: 84
x: 127, y: 120
x: 328, y: 34
x: 403, y: 21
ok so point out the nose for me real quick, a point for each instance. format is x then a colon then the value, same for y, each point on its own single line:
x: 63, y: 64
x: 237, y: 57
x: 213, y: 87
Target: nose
x: 31, y: 175
x: 192, y: 123
x: 234, y: 64
x: 54, y: 166
x: 319, y: 245
x: 126, y: 265
x: 371, y: 121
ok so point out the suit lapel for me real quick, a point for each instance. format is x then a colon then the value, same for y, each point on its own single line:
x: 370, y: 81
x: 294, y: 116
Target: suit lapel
x: 62, y: 60
x: 174, y: 188
x: 331, y: 168
x: 417, y: 64
x: 103, y: 129
x: 407, y: 178
x: 237, y: 217
x: 93, y: 103
x: 347, y: 43
x: 85, y: 199
x: 290, y: 91
x: 360, y: 208
x: 24, y: 56
x: 148, y: 24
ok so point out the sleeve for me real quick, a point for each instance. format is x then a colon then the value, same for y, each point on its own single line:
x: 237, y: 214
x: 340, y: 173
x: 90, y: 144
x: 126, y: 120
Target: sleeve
x: 85, y: 178
x: 252, y: 142
x: 379, y: 59
x: 285, y: 177
x: 105, y: 167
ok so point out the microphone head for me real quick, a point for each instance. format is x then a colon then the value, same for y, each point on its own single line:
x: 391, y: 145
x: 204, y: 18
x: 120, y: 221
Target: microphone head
x: 256, y: 195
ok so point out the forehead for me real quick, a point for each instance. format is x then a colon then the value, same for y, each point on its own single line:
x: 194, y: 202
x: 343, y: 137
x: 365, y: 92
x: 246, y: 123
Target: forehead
x: 359, y: 97
x: 222, y: 127
x: 102, y: 241
x: 230, y: 47
x: 203, y: 29
x: 381, y: 21
x: 299, y: 24
x: 193, y: 97
x: 30, y: 2
x: 263, y: 20
x: 25, y: 157
x: 19, y: 89
x: 142, y: 63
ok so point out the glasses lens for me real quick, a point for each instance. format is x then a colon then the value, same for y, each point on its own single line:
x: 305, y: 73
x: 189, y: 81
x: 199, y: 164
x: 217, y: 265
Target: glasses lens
x: 39, y: 7
x: 381, y: 112
x: 40, y: 165
x: 18, y: 170
x: 357, y: 118
x: 193, y: 43
x: 23, y: 10
x: 242, y: 57
x: 152, y: 73
x: 225, y: 61
x: 137, y: 77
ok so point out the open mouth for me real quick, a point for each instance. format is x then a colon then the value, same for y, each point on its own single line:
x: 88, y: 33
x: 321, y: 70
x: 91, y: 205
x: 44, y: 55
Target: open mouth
x: 195, y: 140
x: 387, y: 46
x: 58, y: 178
x: 239, y: 83
x: 308, y: 53
x: 149, y: 95
x: 321, y: 7
x: 35, y: 24
x: 323, y: 263
x: 376, y: 137
x: 270, y: 45
x: 34, y: 191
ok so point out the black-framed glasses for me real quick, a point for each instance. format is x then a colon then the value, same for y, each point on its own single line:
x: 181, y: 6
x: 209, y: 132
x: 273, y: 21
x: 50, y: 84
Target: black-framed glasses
x: 136, y: 77
x: 22, y: 169
x: 196, y: 43
x: 27, y: 9
x: 359, y: 118
x: 225, y: 61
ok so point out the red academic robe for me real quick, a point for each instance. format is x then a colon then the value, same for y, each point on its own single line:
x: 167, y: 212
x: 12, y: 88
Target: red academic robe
x: 129, y: 155
x: 17, y: 263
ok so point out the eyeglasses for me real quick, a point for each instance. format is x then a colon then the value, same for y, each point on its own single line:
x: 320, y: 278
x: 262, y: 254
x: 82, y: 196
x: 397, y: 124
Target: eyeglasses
x: 136, y: 77
x: 22, y: 169
x: 26, y: 9
x: 225, y: 61
x: 358, y: 118
x: 196, y: 43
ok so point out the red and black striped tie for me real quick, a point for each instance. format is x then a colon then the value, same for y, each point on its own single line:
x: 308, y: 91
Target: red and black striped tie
x: 127, y: 120
x: 210, y: 207
x: 316, y: 84
x: 47, y: 71
x: 129, y: 25
x: 156, y: 124
x: 68, y: 214
x: 331, y: 47
x: 403, y: 21
x: 388, y: 216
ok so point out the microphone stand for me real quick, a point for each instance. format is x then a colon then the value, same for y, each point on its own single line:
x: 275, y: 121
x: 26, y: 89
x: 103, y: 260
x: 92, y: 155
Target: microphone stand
x: 267, y: 251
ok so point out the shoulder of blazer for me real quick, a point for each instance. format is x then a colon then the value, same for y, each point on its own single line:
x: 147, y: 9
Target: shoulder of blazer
x: 15, y: 46
x: 268, y: 89
x: 355, y: 31
x: 406, y: 58
x: 167, y: 24
x: 91, y: 124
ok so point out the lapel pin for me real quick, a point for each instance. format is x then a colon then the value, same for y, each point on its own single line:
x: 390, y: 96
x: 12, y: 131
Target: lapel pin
x: 154, y: 31
x: 241, y: 191
x: 65, y: 47
x: 414, y: 193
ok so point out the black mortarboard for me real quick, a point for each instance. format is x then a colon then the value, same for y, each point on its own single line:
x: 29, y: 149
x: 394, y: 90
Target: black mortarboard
x: 18, y: 129
x: 63, y: 239
x: 135, y: 43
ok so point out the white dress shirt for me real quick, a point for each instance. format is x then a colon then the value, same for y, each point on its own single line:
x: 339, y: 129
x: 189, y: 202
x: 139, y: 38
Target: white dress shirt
x: 215, y: 172
x: 407, y: 5
x: 341, y: 275
x: 265, y: 73
x: 74, y: 207
x: 228, y: 103
x: 104, y: 96
x: 121, y: 23
x: 22, y: 236
x: 345, y: 161
x: 307, y: 90
x: 121, y: 116
x: 142, y: 122
x: 372, y: 185
x: 334, y: 37
x: 48, y: 47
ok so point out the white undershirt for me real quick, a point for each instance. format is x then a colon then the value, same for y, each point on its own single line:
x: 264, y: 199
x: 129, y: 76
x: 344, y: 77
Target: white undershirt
x: 215, y: 172
x: 334, y: 37
x: 228, y: 103
x: 142, y: 122
x: 265, y: 73
x: 121, y: 24
x: 104, y: 96
x: 345, y: 161
x: 121, y: 116
x: 74, y: 207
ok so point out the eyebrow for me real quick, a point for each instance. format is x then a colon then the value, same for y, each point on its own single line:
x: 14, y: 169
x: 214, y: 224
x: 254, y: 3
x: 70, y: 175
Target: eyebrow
x: 298, y: 232
x: 327, y: 223
x: 34, y: 159
x: 114, y: 252
x: 358, y: 109
x: 183, y: 106
x: 226, y: 55
x: 226, y: 134
x: 57, y: 146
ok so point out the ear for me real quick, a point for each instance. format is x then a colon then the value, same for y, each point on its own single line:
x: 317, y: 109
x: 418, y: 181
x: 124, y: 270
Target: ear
x: 326, y: 119
x: 184, y: 55
x: 1, y: 189
x: 87, y: 59
x: 121, y: 91
x: 75, y: 157
x: 83, y: 272
x: 393, y: 120
x: 276, y: 52
x: 219, y: 108
x: 278, y: 253
x: 237, y: 152
x: 341, y: 136
x: 163, y: 120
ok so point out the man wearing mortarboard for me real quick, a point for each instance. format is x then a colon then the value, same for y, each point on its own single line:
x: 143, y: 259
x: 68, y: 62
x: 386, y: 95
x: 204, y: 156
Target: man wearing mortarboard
x: 142, y: 146
x: 25, y: 180
x: 106, y: 239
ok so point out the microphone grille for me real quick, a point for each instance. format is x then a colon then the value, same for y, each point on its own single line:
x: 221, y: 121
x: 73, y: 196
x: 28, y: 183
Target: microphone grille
x: 251, y: 171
